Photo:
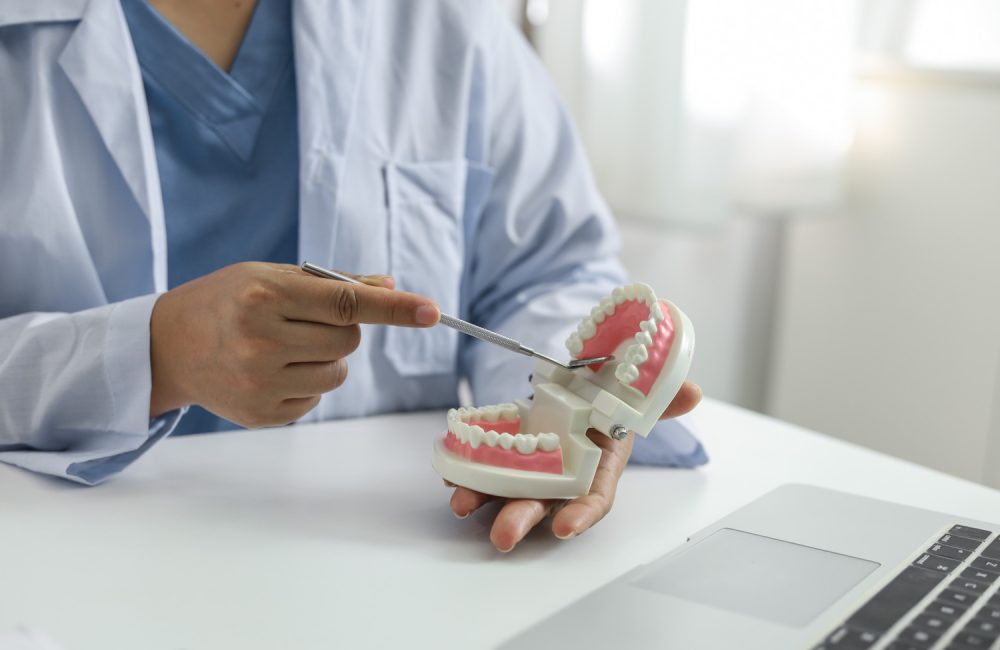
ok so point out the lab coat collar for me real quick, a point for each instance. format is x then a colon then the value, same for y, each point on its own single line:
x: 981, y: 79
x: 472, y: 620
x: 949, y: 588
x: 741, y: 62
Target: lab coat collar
x: 331, y: 37
x: 100, y: 62
x: 330, y: 41
x: 19, y: 12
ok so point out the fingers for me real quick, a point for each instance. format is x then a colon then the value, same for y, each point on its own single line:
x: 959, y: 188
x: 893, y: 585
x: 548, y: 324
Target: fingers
x: 465, y: 501
x: 686, y: 399
x: 512, y: 523
x: 320, y: 300
x: 285, y: 412
x: 316, y: 342
x: 291, y: 410
x: 519, y: 516
x: 306, y: 380
x: 580, y: 514
x: 516, y: 519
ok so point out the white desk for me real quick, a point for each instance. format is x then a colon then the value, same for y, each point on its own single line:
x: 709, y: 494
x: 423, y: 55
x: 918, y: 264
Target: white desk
x: 339, y: 535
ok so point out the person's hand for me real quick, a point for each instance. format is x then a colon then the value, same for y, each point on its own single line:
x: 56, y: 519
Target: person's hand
x: 518, y: 516
x: 258, y: 344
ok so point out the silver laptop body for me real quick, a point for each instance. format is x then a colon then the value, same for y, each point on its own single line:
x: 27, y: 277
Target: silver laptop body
x: 801, y: 567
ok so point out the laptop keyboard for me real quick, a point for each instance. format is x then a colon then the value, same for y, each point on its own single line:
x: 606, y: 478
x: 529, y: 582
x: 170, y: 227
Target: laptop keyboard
x: 946, y: 598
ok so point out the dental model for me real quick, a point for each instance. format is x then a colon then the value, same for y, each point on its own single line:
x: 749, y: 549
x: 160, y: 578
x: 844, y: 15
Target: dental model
x: 538, y: 448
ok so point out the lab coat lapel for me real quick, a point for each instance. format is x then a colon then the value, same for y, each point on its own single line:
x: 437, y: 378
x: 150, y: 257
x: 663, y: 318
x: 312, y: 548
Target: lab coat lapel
x: 100, y: 62
x: 330, y: 41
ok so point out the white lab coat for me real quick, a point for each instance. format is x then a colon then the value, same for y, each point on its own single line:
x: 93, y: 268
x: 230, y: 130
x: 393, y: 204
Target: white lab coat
x: 431, y: 147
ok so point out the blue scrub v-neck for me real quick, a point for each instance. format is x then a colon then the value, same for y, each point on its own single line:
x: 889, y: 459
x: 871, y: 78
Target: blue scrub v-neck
x: 226, y: 148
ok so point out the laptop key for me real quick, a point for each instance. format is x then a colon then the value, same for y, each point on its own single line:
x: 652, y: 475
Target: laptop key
x: 970, y: 532
x: 961, y: 542
x: 951, y: 552
x: 986, y: 563
x: 919, y: 637
x: 897, y: 598
x: 963, y: 598
x: 944, y: 610
x: 989, y: 613
x: 993, y: 550
x: 980, y: 627
x: 967, y: 640
x: 933, y: 623
x: 934, y: 563
x: 979, y: 575
x: 972, y: 586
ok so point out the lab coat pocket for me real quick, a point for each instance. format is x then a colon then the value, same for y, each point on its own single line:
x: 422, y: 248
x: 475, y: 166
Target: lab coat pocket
x: 426, y: 256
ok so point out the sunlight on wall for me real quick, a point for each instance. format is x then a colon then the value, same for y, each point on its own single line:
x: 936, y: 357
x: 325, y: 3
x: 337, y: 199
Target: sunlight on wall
x: 949, y: 34
x: 608, y: 29
x: 782, y: 72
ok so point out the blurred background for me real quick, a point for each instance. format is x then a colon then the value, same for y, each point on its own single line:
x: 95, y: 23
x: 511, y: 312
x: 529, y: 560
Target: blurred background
x: 817, y: 184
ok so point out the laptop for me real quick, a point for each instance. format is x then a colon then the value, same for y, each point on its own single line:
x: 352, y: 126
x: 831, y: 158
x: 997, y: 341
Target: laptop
x: 805, y: 568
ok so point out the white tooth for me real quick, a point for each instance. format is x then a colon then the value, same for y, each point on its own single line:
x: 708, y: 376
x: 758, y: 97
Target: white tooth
x: 490, y: 437
x: 475, y: 436
x: 630, y: 292
x: 505, y: 440
x: 574, y: 344
x: 452, y: 414
x: 648, y: 326
x: 656, y: 312
x: 526, y: 444
x: 508, y: 411
x: 548, y: 441
x: 618, y: 295
x: 463, y: 414
x: 638, y: 353
x: 586, y: 328
x: 608, y: 305
x: 627, y: 373
x: 491, y: 413
x: 462, y: 431
x: 642, y: 338
x: 597, y: 314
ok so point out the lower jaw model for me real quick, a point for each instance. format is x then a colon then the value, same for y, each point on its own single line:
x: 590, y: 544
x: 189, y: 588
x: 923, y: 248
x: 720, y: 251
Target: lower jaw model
x: 538, y: 448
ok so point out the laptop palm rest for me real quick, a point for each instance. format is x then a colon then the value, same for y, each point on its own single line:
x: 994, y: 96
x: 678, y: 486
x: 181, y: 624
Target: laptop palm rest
x: 757, y: 576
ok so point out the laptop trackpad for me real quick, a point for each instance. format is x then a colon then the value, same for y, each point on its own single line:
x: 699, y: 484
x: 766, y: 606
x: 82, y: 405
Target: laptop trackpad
x: 759, y: 576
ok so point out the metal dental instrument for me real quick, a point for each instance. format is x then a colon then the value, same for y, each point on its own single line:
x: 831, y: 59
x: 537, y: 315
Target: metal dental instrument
x: 474, y: 331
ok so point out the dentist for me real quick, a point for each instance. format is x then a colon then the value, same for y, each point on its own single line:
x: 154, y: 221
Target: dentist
x: 164, y: 165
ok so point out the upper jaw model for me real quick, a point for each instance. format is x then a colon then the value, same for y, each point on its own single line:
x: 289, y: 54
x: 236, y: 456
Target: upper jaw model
x: 538, y: 447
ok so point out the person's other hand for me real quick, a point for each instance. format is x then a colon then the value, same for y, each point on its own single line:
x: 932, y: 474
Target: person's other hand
x: 518, y: 516
x: 258, y: 344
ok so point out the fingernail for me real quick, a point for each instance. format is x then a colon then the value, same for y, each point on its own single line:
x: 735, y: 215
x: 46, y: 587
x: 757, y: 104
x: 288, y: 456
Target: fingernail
x: 427, y: 314
x: 465, y: 516
x: 571, y: 535
x: 506, y: 550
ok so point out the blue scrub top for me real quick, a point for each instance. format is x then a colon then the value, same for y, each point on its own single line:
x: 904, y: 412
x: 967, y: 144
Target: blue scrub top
x: 226, y: 147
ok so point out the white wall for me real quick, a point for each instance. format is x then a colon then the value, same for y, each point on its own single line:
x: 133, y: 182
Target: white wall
x: 888, y: 331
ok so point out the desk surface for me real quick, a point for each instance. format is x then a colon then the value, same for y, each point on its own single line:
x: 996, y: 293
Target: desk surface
x: 339, y: 535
